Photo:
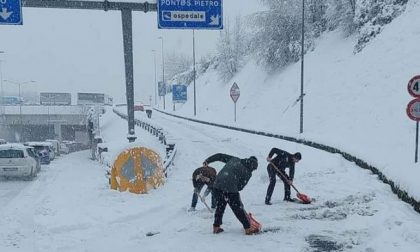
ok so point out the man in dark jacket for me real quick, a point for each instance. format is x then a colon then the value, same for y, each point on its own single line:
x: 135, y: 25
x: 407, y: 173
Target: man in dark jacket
x: 282, y: 161
x: 231, y: 179
x: 200, y: 177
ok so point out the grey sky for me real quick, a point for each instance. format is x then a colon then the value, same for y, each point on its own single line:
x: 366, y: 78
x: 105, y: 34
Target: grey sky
x: 81, y: 51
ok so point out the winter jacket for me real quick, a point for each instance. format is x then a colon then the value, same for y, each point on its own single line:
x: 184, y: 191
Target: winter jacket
x: 207, y: 172
x: 283, y: 160
x: 236, y: 173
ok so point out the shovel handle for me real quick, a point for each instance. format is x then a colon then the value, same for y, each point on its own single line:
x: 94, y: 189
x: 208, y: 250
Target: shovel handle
x: 284, y: 176
x: 204, y: 202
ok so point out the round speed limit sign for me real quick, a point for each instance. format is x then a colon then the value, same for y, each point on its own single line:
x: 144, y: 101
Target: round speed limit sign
x: 413, y: 110
x: 414, y: 86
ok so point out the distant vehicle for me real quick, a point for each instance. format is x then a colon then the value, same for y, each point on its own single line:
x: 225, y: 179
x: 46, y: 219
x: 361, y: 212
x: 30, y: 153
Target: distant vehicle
x: 44, y: 156
x: 55, y: 145
x: 64, y: 149
x: 93, y: 99
x: 11, y: 100
x: 138, y: 107
x: 2, y: 141
x: 46, y: 98
x: 43, y: 146
x: 17, y: 160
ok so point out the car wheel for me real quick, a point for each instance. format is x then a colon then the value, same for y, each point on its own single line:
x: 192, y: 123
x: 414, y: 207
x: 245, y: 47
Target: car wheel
x: 31, y: 175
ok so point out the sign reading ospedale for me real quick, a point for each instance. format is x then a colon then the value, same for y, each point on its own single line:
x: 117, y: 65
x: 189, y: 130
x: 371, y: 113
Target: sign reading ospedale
x: 190, y: 14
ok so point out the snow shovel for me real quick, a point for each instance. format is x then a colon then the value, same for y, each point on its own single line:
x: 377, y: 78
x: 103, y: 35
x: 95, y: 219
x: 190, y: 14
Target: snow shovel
x: 204, y: 202
x: 303, y: 197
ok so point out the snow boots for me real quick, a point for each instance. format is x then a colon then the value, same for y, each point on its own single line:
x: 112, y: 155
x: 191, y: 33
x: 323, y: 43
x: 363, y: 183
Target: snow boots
x: 217, y: 229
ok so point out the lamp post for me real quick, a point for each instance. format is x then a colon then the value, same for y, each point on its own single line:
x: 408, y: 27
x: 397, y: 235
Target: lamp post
x: 20, y: 103
x: 1, y: 88
x: 163, y: 73
x: 154, y: 60
x: 301, y: 67
x: 195, y: 110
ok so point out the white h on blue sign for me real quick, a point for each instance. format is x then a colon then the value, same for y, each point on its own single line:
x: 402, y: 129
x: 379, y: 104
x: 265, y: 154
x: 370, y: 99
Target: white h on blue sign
x: 10, y: 12
x: 190, y: 14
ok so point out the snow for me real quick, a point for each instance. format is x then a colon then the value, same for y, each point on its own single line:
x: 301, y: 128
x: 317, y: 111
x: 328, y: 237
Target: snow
x: 352, y: 102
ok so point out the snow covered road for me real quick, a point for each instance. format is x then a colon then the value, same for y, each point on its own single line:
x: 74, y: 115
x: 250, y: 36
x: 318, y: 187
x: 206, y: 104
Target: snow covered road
x: 70, y: 207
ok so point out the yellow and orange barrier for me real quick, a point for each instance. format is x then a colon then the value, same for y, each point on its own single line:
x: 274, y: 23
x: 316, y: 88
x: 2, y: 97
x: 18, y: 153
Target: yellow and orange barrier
x: 137, y: 170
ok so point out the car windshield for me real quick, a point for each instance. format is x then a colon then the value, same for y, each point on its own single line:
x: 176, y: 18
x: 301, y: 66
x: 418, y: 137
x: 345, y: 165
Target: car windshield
x: 11, y: 153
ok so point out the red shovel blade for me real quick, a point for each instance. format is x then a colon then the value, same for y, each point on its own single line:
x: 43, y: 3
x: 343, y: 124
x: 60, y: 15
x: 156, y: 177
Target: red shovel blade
x: 304, y: 198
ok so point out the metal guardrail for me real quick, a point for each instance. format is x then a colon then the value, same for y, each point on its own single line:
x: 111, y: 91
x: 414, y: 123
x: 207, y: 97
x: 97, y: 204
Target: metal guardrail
x: 402, y: 194
x: 161, y: 135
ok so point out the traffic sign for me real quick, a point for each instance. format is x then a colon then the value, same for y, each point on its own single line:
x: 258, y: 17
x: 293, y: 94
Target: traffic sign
x: 179, y: 93
x: 190, y: 14
x: 235, y: 92
x: 10, y: 12
x: 414, y: 86
x: 162, y: 88
x: 413, y: 109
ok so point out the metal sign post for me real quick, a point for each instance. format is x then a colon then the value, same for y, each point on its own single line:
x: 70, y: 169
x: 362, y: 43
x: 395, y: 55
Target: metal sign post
x: 413, y: 108
x: 234, y: 94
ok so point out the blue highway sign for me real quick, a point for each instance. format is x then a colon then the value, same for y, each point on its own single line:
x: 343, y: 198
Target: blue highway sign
x: 179, y: 93
x: 190, y: 14
x: 10, y: 12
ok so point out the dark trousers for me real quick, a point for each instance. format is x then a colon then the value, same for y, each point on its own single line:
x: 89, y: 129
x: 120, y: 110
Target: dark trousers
x: 235, y: 203
x: 195, y: 197
x: 272, y: 175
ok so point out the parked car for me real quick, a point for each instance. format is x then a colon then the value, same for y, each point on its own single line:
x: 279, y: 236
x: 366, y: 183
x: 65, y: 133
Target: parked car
x: 43, y: 146
x: 138, y: 107
x: 2, y: 141
x: 17, y: 160
x: 44, y: 156
x: 55, y: 145
x: 33, y: 153
x: 64, y: 149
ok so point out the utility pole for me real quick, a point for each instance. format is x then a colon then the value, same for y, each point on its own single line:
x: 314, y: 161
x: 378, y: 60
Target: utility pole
x: 195, y: 106
x: 154, y: 60
x: 163, y: 74
x: 301, y: 68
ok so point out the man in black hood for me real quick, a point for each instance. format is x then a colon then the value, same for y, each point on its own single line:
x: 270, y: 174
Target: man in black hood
x: 231, y: 179
x: 282, y: 160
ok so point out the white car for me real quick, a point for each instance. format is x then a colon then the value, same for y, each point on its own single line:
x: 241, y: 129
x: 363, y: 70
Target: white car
x: 17, y: 160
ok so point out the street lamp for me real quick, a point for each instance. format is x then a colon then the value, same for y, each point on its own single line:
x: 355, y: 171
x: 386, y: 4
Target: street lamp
x: 195, y: 110
x: 163, y: 73
x: 154, y: 60
x: 1, y: 88
x: 20, y: 103
x: 301, y: 67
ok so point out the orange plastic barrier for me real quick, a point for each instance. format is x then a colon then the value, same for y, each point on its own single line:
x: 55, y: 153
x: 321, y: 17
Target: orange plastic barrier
x: 137, y: 170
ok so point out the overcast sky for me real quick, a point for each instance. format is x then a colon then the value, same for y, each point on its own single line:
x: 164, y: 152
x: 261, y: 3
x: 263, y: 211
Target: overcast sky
x: 82, y: 51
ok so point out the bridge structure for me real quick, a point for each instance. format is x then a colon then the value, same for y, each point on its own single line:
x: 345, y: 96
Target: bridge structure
x: 38, y: 122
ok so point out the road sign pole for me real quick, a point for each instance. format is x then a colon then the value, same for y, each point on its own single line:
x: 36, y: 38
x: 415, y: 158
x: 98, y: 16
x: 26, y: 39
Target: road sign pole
x: 417, y: 142
x: 235, y: 111
x: 195, y: 106
x: 129, y: 80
